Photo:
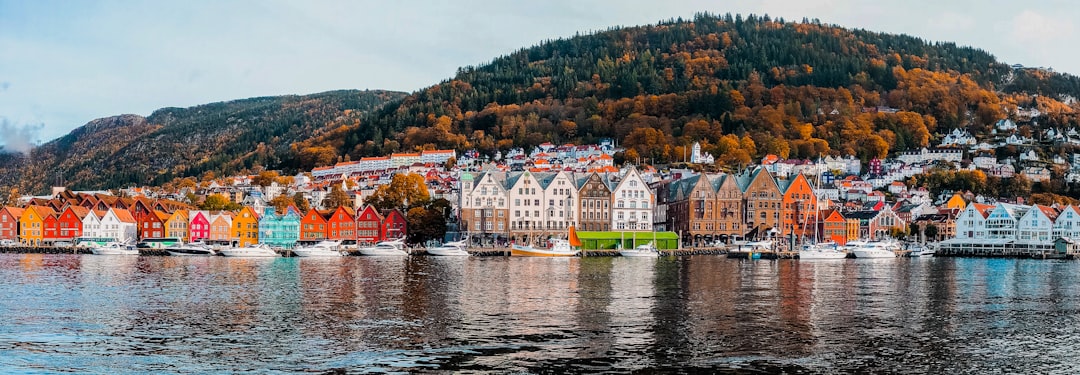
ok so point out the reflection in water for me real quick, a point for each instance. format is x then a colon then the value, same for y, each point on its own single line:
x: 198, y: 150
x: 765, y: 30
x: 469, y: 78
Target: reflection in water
x: 211, y: 314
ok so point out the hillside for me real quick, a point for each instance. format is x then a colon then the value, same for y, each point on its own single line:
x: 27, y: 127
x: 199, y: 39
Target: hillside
x: 743, y: 86
x: 222, y: 138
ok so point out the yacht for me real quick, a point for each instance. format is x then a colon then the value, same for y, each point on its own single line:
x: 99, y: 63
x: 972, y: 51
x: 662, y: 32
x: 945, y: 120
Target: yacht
x: 321, y: 249
x: 386, y: 248
x: 824, y: 250
x: 874, y: 249
x: 645, y: 250
x: 114, y: 248
x: 189, y: 249
x: 559, y: 248
x: 257, y: 250
x: 456, y: 248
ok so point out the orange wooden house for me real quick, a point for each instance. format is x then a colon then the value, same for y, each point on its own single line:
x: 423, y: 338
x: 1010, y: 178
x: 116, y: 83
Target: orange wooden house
x: 313, y: 226
x: 340, y: 224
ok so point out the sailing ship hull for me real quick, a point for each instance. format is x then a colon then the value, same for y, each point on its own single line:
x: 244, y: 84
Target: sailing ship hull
x: 523, y: 251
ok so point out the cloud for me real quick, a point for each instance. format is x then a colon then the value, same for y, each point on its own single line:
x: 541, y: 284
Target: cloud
x: 1030, y: 27
x: 15, y: 138
x: 951, y: 21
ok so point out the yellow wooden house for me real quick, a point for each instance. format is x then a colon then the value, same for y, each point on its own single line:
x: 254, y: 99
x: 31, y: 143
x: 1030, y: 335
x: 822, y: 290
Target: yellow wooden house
x: 176, y: 225
x: 956, y: 202
x: 245, y: 228
x: 32, y: 223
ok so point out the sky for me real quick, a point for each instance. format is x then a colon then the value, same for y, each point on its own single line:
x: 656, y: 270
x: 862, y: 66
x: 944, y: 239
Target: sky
x: 65, y: 63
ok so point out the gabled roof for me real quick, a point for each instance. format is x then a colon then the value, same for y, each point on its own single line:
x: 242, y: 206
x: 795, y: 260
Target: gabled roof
x: 15, y: 212
x: 123, y: 215
x: 162, y: 215
x: 79, y: 211
x: 983, y: 209
x: 1050, y: 213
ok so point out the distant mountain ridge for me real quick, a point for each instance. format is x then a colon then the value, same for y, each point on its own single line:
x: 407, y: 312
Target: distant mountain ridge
x: 222, y: 138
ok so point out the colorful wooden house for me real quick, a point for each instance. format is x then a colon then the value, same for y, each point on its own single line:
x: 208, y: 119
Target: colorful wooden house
x: 9, y: 223
x: 176, y: 226
x: 152, y: 225
x: 313, y: 226
x: 71, y: 222
x: 32, y: 224
x: 834, y: 227
x: 340, y: 224
x: 279, y: 230
x: 394, y: 225
x: 220, y: 226
x: 118, y: 224
x: 199, y: 226
x: 368, y: 225
x: 52, y: 228
x: 245, y: 227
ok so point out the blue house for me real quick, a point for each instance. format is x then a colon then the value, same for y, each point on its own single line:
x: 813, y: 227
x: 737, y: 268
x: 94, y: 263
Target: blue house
x: 279, y: 230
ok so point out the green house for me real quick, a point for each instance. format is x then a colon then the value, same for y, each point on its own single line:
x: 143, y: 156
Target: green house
x: 609, y: 240
x: 279, y: 230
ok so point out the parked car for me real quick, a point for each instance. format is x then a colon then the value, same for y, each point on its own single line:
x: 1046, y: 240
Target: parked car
x: 8, y: 243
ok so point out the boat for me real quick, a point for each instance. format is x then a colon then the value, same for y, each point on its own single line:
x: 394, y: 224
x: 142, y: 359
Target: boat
x: 824, y: 250
x: 385, y: 248
x: 189, y: 249
x: 645, y: 250
x: 930, y: 249
x: 914, y: 249
x: 252, y: 251
x: 322, y: 249
x: 559, y: 248
x: 874, y: 249
x: 456, y: 248
x: 114, y: 248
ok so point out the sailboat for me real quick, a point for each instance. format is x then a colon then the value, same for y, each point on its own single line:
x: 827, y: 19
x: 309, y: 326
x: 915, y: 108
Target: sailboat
x: 559, y: 248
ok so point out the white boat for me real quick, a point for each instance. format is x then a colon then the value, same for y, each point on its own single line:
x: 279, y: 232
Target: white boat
x: 114, y: 248
x: 321, y: 249
x: 385, y: 248
x: 930, y: 249
x: 874, y: 249
x: 253, y: 251
x: 559, y: 248
x: 456, y: 248
x: 756, y: 246
x: 825, y: 250
x: 645, y: 250
x: 915, y: 250
x: 189, y: 249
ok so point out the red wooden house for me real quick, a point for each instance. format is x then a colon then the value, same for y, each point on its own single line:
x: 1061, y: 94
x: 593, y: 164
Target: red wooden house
x: 152, y: 225
x: 340, y: 224
x: 199, y: 227
x: 71, y: 221
x: 312, y: 226
x: 49, y: 224
x: 368, y: 225
x: 9, y: 223
x: 394, y: 225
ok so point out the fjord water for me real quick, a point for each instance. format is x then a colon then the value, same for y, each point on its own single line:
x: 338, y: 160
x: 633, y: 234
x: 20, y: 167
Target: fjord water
x: 100, y: 314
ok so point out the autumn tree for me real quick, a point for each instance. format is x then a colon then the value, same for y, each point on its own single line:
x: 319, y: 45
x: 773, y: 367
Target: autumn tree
x: 403, y: 191
x: 217, y: 202
x: 265, y: 178
x: 281, y: 203
x: 337, y: 198
x: 301, y: 202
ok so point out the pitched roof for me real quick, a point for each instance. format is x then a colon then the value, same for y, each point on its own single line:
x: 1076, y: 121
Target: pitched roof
x: 79, y: 211
x: 123, y: 215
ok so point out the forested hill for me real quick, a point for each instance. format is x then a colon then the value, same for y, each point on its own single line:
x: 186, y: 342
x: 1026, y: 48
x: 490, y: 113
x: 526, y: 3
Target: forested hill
x: 223, y: 138
x: 743, y: 86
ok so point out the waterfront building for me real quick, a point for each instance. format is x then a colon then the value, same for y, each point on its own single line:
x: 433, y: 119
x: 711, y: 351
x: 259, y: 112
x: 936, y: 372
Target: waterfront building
x: 594, y: 203
x: 152, y: 225
x: 632, y: 200
x: 119, y: 224
x: 198, y: 226
x: 279, y: 230
x: 1067, y: 223
x: 368, y: 225
x: 394, y: 225
x: 177, y: 224
x: 32, y: 223
x: 834, y: 227
x: 71, y: 222
x: 9, y: 223
x: 221, y: 228
x: 341, y: 224
x: 245, y: 227
x: 762, y: 201
x: 313, y: 226
x: 484, y: 205
x: 800, y: 207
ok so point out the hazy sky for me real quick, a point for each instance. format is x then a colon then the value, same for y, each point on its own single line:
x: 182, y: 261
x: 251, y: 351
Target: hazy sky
x: 64, y: 63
